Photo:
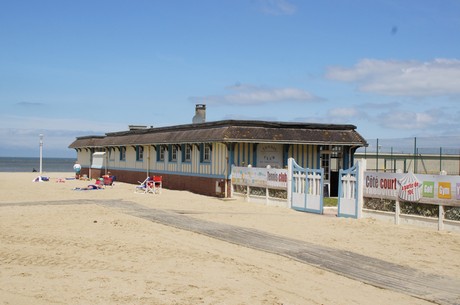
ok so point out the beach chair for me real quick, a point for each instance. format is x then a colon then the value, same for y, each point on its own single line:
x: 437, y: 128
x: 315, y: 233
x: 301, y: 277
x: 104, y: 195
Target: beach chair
x: 145, y: 186
x: 157, y: 184
x: 107, y: 180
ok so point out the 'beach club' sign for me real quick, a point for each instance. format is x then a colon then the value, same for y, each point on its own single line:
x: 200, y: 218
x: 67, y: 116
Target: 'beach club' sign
x: 270, y: 154
x: 411, y: 187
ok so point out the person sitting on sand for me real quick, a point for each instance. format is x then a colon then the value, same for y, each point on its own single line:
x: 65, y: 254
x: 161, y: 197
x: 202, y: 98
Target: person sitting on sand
x: 77, y: 169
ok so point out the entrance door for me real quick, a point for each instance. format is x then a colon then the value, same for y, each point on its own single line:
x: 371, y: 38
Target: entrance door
x: 331, y: 162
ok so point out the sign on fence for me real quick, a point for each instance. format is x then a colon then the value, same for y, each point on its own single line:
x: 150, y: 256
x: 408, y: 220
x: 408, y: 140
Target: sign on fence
x: 410, y: 187
x: 260, y: 177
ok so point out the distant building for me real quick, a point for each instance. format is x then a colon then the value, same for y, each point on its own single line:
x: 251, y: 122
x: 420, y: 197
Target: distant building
x: 198, y: 157
x: 429, y: 164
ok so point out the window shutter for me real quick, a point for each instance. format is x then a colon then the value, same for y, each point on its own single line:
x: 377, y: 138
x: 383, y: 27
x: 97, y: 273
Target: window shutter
x: 182, y: 152
x: 201, y: 152
x: 157, y: 149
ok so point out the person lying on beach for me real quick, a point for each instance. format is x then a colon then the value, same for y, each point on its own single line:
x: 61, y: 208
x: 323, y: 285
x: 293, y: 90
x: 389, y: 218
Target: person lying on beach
x: 89, y: 188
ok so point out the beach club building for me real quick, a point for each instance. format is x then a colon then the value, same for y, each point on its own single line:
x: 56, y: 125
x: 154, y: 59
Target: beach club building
x: 198, y: 157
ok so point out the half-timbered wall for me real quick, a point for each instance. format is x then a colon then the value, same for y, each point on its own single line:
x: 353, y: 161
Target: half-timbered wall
x: 244, y: 154
x: 306, y: 156
x: 216, y: 167
x: 196, y: 166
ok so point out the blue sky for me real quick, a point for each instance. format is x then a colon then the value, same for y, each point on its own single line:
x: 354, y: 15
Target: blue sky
x: 75, y: 68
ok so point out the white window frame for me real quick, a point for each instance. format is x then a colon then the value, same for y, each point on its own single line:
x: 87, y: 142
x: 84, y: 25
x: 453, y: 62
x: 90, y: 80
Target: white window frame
x: 207, y: 153
x: 188, y: 153
x: 173, y: 153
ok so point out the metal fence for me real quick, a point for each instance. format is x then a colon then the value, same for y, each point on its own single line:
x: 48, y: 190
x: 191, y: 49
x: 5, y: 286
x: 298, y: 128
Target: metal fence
x: 417, y: 155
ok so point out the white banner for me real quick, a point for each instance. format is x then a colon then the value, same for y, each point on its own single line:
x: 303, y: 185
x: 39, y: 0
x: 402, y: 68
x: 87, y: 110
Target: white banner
x: 260, y: 177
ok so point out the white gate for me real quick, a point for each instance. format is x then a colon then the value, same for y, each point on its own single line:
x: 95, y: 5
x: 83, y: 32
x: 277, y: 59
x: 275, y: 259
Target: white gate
x: 305, y: 188
x: 350, y: 192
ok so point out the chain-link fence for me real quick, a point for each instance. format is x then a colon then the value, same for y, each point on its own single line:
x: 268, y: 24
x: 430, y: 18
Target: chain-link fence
x: 417, y: 155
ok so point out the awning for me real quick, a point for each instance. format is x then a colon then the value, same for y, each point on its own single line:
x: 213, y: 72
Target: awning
x: 98, y: 160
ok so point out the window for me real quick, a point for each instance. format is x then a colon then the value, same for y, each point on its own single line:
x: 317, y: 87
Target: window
x: 205, y: 152
x: 325, y: 161
x: 188, y: 153
x: 122, y: 153
x: 161, y: 153
x: 139, y: 153
x: 173, y: 153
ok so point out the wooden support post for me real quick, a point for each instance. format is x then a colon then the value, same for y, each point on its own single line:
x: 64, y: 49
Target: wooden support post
x: 266, y: 196
x: 441, y: 218
x: 397, y: 211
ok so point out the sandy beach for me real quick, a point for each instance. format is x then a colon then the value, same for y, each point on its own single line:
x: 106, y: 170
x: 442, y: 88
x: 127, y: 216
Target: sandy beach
x: 61, y: 246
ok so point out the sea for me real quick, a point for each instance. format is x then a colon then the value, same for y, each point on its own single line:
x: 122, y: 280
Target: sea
x: 23, y: 164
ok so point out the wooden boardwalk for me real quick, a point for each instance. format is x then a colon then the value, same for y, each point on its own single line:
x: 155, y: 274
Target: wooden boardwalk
x: 375, y: 272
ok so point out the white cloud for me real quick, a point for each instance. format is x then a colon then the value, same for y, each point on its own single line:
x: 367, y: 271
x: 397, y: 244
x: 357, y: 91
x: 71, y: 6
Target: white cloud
x: 376, y: 106
x: 277, y: 7
x: 344, y: 112
x: 244, y: 94
x: 408, y: 120
x: 403, y: 78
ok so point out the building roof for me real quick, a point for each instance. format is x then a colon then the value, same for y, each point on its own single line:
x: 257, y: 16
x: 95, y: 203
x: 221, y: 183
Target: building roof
x: 230, y: 131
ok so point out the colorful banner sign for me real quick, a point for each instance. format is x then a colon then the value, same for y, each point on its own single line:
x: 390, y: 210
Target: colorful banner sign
x: 411, y: 187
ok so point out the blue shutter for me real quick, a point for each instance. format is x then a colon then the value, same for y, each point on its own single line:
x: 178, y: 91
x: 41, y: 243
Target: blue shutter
x: 201, y: 152
x: 157, y: 149
x: 182, y: 152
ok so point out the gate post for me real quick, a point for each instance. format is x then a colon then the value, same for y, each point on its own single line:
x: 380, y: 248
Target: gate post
x: 289, y: 183
x: 362, y: 168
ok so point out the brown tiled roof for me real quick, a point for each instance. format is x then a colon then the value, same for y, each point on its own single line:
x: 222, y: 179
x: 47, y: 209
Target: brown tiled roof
x: 230, y: 131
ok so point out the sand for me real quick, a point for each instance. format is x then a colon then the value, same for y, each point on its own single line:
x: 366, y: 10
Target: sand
x: 59, y: 246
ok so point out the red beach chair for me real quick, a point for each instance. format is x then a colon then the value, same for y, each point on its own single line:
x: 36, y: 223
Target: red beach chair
x: 107, y: 180
x: 157, y: 184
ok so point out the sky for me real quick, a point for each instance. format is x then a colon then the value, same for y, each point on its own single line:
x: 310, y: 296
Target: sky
x: 78, y: 68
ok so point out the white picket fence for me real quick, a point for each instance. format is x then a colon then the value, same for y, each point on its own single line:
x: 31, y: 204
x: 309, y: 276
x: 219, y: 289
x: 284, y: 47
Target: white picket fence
x: 303, y: 190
